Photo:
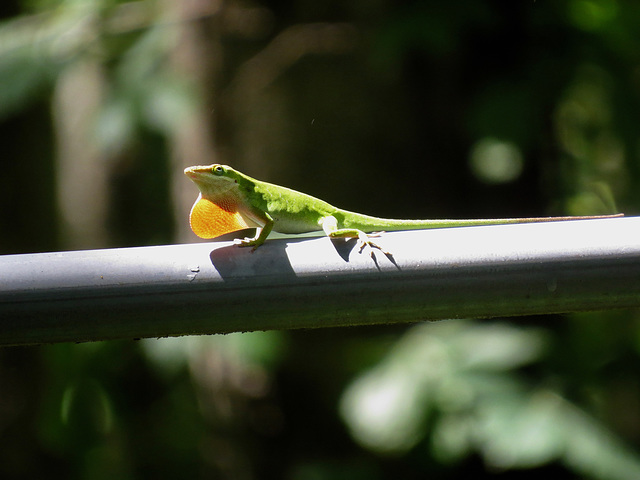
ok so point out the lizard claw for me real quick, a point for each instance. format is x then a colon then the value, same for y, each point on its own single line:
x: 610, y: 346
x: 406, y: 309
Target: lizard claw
x: 365, y: 242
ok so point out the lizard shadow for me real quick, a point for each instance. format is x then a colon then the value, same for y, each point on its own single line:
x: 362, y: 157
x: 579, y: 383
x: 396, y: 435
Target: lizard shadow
x: 235, y: 263
x: 344, y: 247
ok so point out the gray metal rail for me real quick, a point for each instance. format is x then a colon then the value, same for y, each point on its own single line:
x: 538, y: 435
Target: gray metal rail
x: 209, y: 288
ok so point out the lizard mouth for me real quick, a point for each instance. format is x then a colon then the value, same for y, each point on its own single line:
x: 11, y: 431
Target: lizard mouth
x: 196, y: 171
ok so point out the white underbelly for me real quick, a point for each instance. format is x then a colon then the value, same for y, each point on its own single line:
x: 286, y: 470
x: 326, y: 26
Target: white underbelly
x: 291, y: 225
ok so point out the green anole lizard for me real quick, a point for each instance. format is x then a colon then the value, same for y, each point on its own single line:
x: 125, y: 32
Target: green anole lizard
x: 230, y: 201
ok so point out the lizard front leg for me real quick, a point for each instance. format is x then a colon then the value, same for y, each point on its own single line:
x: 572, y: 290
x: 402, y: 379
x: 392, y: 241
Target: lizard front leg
x: 261, y: 234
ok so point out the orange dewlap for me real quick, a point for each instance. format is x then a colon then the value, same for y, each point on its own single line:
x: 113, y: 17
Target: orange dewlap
x: 209, y: 220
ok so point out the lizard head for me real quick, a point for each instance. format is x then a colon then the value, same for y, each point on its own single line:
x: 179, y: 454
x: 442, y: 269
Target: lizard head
x: 215, y: 211
x: 212, y: 180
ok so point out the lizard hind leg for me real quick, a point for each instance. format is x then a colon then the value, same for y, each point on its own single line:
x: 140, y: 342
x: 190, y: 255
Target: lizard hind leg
x: 330, y: 227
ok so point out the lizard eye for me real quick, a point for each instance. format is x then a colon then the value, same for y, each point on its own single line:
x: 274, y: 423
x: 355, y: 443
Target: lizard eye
x: 218, y: 169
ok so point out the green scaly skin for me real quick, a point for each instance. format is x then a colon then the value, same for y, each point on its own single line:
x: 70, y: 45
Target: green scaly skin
x: 271, y: 207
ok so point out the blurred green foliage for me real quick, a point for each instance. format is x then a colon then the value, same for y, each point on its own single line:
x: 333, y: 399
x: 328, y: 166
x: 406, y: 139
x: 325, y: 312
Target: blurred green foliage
x: 410, y: 109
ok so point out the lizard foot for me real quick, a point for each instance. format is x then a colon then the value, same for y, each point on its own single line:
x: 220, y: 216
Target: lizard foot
x: 247, y: 242
x: 363, y: 242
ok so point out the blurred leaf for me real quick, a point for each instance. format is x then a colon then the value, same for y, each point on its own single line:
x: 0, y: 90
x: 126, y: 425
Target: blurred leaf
x: 85, y: 407
x: 145, y: 92
x: 25, y: 72
x: 596, y: 199
x: 443, y: 366
x: 462, y: 374
x: 34, y: 49
x: 520, y: 430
